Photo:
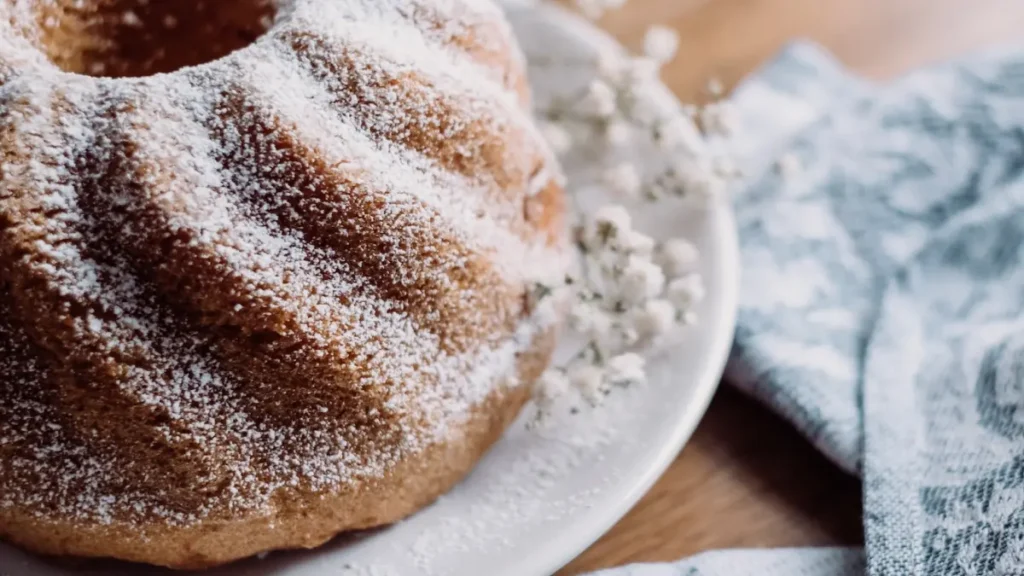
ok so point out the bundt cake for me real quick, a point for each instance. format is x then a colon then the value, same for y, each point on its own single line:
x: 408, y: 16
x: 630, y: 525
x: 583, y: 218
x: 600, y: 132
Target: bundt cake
x: 265, y: 267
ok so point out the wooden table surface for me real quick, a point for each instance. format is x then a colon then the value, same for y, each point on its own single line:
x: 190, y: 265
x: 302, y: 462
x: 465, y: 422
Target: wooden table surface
x: 746, y: 479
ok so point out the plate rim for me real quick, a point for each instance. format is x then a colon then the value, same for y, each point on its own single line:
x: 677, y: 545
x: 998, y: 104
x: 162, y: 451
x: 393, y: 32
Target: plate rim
x: 597, y: 521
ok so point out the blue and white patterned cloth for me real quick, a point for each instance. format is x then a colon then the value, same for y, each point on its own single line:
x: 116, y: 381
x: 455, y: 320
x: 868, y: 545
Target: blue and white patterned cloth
x: 883, y: 305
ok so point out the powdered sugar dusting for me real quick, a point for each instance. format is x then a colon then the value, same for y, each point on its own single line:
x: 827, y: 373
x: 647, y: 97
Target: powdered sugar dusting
x: 164, y: 248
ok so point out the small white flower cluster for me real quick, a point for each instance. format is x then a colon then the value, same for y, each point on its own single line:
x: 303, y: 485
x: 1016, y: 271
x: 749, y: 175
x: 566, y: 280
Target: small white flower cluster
x: 719, y: 118
x: 661, y: 44
x: 631, y: 290
x: 620, y: 102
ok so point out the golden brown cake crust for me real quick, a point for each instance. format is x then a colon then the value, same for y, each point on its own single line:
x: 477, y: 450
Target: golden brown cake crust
x: 308, y: 520
x: 257, y: 292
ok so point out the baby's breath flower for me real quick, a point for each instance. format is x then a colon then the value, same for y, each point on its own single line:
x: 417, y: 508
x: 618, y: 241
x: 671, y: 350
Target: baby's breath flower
x: 629, y: 75
x: 639, y: 72
x: 627, y: 335
x: 588, y: 379
x: 607, y: 263
x: 610, y: 66
x: 655, y: 318
x: 700, y: 183
x: 587, y: 318
x: 686, y: 291
x: 635, y: 243
x: 580, y: 316
x: 623, y: 180
x: 677, y: 257
x: 641, y: 279
x: 600, y: 100
x: 641, y: 104
x: 609, y: 221
x: 719, y: 119
x: 552, y: 385
x: 661, y: 44
x: 678, y: 132
x: 601, y: 325
x: 631, y: 290
x: 617, y: 132
x: 626, y: 369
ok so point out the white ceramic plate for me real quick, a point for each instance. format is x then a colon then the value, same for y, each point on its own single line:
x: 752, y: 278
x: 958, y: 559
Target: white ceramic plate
x: 541, y: 496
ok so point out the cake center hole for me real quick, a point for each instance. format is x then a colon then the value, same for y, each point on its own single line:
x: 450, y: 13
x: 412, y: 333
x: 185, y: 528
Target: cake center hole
x: 122, y: 38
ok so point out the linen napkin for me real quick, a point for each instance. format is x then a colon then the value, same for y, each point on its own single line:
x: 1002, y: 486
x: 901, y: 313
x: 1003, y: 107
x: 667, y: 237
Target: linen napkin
x: 882, y: 304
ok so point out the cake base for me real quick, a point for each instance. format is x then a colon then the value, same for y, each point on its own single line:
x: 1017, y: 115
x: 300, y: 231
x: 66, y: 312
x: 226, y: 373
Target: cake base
x: 301, y: 520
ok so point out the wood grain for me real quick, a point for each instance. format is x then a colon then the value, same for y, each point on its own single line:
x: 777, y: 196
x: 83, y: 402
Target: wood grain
x: 746, y: 479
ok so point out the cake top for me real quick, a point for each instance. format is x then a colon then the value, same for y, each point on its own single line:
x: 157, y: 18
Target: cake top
x: 290, y: 258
